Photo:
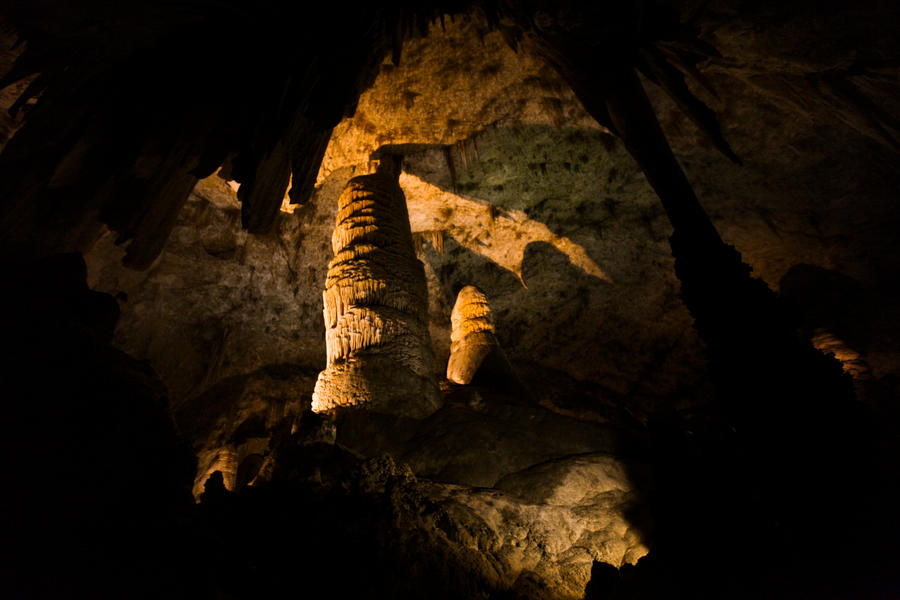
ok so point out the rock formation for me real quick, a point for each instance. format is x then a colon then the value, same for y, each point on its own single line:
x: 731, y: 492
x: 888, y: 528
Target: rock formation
x: 233, y: 426
x: 471, y: 335
x: 473, y: 343
x: 224, y: 462
x: 375, y: 305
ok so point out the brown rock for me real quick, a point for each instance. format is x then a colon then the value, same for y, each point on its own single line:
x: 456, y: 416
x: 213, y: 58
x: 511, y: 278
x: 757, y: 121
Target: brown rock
x: 376, y: 333
x: 472, y: 334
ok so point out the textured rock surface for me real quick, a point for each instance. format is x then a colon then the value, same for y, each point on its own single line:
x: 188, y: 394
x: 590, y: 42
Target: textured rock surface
x: 234, y: 425
x: 529, y: 496
x: 472, y: 337
x: 550, y: 545
x: 219, y: 302
x: 479, y: 436
x: 538, y: 207
x: 497, y: 542
x: 378, y: 349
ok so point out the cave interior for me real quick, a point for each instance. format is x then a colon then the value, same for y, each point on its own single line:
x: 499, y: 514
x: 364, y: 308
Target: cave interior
x: 451, y: 299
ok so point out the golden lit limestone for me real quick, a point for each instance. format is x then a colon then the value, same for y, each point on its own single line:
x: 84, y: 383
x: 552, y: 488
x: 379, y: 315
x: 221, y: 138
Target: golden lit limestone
x: 224, y: 461
x: 828, y: 343
x: 375, y: 305
x: 472, y: 336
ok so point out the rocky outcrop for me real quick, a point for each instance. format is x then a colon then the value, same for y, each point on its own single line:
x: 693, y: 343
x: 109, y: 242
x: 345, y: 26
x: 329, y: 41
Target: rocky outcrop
x: 376, y: 332
x: 421, y: 538
x: 543, y: 546
x: 221, y: 303
x: 234, y: 426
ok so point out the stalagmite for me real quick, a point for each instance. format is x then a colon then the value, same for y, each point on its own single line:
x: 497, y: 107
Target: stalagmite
x: 225, y: 461
x: 473, y: 346
x: 375, y: 305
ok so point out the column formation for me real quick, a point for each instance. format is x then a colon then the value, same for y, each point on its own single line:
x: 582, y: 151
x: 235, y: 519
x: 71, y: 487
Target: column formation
x: 379, y: 352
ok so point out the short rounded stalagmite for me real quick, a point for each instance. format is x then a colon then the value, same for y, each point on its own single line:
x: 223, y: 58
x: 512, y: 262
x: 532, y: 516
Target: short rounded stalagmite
x: 472, y: 336
x: 475, y: 354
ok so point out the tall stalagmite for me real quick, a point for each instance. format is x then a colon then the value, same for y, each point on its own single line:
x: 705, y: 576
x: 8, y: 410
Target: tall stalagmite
x: 376, y: 332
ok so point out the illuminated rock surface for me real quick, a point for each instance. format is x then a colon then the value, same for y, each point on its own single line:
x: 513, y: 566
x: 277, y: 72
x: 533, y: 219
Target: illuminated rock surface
x: 537, y: 494
x: 378, y: 349
x: 562, y: 209
x: 471, y: 334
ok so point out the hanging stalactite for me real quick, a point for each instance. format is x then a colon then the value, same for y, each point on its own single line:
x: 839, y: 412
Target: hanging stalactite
x: 125, y: 110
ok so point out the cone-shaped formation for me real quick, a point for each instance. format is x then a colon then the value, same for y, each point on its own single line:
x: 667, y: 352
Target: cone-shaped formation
x: 376, y: 334
x: 472, y: 338
x: 226, y: 463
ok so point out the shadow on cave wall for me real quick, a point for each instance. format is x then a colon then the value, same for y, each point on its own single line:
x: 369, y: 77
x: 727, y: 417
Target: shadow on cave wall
x: 579, y: 186
x: 563, y: 313
x: 458, y: 267
x: 560, y: 294
x: 544, y: 172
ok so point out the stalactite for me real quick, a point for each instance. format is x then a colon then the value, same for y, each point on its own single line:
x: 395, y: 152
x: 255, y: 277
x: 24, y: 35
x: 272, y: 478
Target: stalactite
x: 437, y: 240
x: 435, y: 237
x: 108, y: 137
x: 375, y: 305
